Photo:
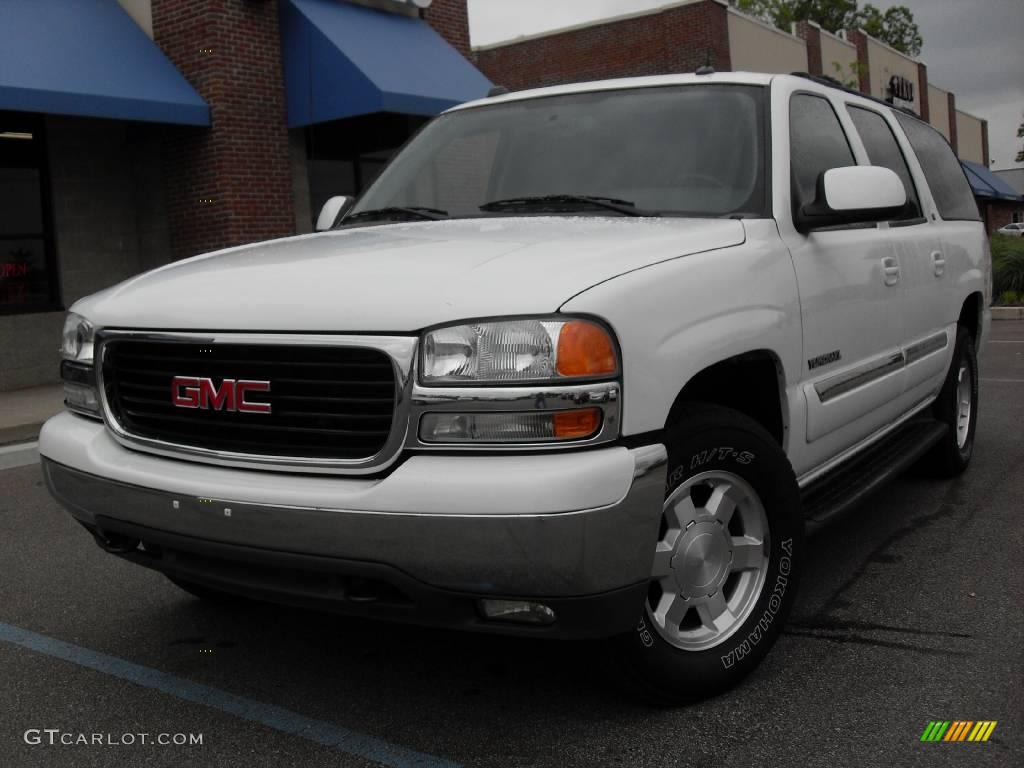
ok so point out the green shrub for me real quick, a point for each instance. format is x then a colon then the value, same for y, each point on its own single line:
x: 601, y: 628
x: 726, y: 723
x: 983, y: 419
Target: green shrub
x: 1009, y: 298
x: 1007, y: 264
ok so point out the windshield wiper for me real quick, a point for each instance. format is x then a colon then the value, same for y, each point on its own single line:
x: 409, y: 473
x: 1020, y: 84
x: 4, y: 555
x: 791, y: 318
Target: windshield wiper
x: 559, y: 203
x: 399, y: 213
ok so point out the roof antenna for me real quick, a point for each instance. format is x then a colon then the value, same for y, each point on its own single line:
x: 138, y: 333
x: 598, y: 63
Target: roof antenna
x: 497, y: 90
x: 706, y: 68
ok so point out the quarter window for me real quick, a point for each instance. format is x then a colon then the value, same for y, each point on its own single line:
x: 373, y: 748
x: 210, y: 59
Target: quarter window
x: 28, y: 278
x: 882, y: 149
x: 945, y: 176
x: 817, y: 143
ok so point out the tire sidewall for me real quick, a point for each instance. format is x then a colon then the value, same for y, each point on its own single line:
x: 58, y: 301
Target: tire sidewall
x: 737, y: 445
x: 964, y: 354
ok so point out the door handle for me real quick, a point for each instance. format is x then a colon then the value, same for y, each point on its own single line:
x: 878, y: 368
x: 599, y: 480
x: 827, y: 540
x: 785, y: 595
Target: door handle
x: 938, y: 263
x: 891, y: 268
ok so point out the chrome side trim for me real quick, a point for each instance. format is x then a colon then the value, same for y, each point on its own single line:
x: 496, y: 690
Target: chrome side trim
x: 922, y: 349
x: 401, y: 350
x: 833, y: 387
x: 822, y: 469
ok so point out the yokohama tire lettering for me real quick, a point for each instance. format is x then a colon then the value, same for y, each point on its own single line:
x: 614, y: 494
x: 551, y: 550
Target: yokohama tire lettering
x: 774, y: 604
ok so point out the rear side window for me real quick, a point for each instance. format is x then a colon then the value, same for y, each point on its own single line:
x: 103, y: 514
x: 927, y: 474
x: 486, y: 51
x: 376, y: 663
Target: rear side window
x: 945, y: 176
x: 882, y: 149
x: 817, y: 143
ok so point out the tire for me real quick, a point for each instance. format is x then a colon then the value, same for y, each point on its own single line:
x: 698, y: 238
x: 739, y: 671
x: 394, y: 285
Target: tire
x: 715, y: 454
x: 204, y: 592
x: 952, y: 454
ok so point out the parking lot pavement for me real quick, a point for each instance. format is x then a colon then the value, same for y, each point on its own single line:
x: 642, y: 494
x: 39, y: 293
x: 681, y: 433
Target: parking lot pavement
x: 910, y: 610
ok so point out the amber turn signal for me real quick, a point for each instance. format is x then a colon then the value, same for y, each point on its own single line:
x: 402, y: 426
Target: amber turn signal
x: 585, y: 349
x: 571, y: 425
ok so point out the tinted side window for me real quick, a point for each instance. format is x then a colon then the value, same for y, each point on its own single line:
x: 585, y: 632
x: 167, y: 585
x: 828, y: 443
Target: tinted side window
x: 882, y: 149
x: 945, y: 176
x: 817, y: 143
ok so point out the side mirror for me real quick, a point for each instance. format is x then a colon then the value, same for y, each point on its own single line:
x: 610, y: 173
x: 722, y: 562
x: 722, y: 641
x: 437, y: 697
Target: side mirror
x: 853, y: 195
x: 334, y: 208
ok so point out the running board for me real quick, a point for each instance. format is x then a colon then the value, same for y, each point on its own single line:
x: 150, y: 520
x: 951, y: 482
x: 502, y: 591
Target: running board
x: 848, y: 485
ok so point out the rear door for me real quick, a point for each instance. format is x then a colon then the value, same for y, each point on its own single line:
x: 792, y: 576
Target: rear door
x: 920, y: 252
x: 850, y: 288
x: 941, y: 279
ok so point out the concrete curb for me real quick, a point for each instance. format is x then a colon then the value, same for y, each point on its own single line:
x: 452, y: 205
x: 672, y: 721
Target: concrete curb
x: 1008, y: 313
x: 19, y: 455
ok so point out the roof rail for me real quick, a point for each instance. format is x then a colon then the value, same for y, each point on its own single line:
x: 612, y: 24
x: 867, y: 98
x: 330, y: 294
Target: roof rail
x: 831, y: 82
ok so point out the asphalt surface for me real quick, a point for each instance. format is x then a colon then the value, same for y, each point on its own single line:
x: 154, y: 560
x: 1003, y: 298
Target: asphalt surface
x: 910, y: 610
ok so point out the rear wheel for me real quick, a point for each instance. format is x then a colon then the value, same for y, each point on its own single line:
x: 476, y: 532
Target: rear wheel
x: 957, y: 407
x: 725, y: 565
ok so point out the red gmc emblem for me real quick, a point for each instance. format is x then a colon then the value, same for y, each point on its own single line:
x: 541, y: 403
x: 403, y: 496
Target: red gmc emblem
x: 192, y: 392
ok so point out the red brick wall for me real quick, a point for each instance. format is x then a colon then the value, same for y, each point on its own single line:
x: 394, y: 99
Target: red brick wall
x: 451, y: 19
x: 860, y: 40
x: 811, y: 34
x: 231, y: 183
x: 922, y: 84
x: 675, y: 40
x: 999, y: 213
x: 984, y: 143
x: 952, y: 124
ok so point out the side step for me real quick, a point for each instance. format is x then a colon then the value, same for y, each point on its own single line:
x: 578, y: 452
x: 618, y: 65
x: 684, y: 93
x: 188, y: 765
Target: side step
x: 843, y: 488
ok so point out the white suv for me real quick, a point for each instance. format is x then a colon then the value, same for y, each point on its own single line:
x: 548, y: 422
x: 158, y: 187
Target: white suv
x: 585, y: 361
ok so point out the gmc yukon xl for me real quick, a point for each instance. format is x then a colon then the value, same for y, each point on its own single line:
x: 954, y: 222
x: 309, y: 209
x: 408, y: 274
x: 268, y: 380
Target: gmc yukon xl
x: 583, y: 362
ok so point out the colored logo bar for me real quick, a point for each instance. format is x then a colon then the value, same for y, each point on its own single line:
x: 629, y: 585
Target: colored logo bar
x: 958, y: 730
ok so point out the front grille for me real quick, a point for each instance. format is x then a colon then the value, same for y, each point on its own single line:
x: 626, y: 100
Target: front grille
x: 325, y: 402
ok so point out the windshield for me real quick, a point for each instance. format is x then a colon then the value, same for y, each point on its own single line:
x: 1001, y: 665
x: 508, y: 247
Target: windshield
x: 694, y: 150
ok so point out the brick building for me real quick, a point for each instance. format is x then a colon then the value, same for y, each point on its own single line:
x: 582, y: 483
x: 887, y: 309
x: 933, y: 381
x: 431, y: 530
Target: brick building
x: 136, y: 132
x: 681, y: 36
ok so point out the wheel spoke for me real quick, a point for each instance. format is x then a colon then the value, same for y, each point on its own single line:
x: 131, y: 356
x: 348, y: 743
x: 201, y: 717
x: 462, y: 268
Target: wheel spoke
x: 714, y: 613
x: 662, y: 560
x: 682, y: 513
x: 723, y: 501
x: 676, y: 612
x: 747, y: 553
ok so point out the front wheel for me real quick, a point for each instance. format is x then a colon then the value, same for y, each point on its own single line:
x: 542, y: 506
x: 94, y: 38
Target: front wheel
x: 725, y: 566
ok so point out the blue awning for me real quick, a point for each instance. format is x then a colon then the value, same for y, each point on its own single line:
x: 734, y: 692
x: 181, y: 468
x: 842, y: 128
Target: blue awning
x: 984, y: 183
x: 343, y: 60
x: 89, y: 58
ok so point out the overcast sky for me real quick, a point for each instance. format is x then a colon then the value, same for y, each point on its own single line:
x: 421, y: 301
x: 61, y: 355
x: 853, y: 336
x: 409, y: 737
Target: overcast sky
x: 974, y: 48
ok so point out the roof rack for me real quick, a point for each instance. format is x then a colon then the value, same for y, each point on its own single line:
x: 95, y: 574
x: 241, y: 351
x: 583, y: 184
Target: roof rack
x: 831, y: 82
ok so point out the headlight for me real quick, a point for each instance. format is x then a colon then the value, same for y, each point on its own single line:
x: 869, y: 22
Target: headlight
x: 515, y: 351
x: 77, y: 338
x: 76, y: 368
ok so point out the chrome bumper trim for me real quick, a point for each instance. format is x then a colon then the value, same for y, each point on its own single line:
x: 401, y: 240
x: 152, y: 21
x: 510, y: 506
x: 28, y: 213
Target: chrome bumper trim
x: 559, y: 554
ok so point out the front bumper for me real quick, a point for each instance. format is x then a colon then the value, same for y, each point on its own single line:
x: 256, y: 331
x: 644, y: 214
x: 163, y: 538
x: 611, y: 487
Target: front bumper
x: 573, y: 530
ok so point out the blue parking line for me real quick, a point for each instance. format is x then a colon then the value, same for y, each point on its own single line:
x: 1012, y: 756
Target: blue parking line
x: 286, y: 721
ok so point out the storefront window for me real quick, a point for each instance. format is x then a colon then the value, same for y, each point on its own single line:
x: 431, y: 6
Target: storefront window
x: 28, y: 278
x: 346, y: 156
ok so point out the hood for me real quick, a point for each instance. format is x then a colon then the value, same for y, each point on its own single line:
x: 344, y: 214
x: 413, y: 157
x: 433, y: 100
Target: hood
x: 401, y: 277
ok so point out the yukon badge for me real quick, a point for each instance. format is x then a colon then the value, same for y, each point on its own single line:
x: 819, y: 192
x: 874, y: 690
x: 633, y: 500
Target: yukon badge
x: 192, y: 392
x: 827, y: 359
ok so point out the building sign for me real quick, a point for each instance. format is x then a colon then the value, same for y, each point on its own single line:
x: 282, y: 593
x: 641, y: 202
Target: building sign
x: 405, y: 6
x: 900, y: 88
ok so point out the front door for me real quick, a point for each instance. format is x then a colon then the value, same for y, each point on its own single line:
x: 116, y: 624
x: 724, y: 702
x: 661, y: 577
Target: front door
x: 851, y: 283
